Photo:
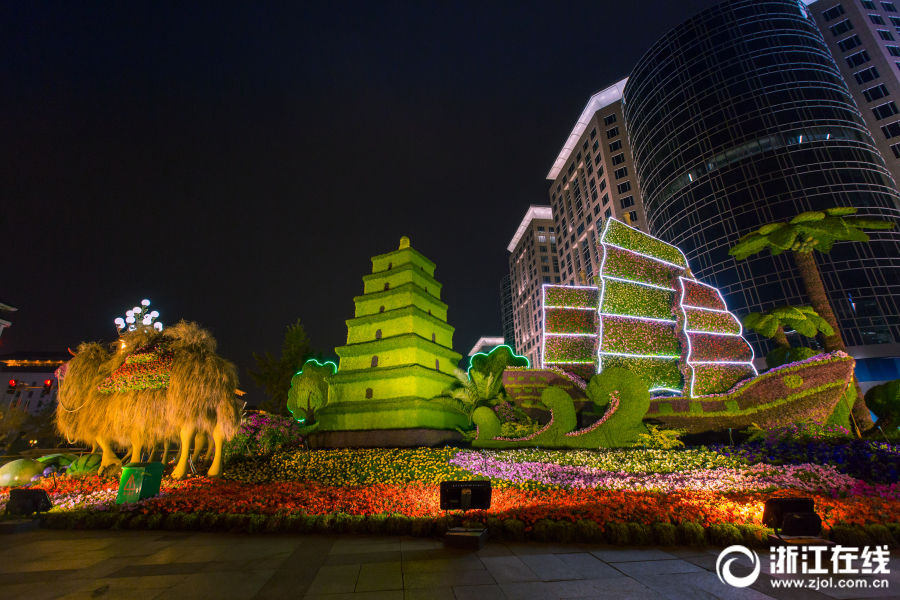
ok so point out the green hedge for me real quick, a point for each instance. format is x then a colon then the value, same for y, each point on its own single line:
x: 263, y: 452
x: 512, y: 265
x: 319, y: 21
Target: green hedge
x: 545, y: 530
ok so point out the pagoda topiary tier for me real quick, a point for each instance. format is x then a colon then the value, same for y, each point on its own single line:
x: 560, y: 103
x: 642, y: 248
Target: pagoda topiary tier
x: 398, y: 357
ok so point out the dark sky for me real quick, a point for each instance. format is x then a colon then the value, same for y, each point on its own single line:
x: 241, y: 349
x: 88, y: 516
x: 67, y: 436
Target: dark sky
x: 239, y: 166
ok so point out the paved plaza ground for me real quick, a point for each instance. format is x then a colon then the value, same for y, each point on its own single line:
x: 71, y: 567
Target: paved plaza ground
x: 134, y: 565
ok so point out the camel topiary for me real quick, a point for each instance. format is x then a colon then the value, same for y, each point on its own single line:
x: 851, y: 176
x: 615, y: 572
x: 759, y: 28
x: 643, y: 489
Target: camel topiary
x: 152, y: 388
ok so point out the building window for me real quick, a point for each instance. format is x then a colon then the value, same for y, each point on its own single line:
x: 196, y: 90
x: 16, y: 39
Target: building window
x: 883, y: 111
x: 609, y: 119
x: 895, y: 21
x: 876, y: 19
x: 377, y: 334
x: 611, y: 133
x: 893, y: 50
x: 891, y: 130
x: 623, y: 187
x: 848, y: 43
x: 896, y: 150
x: 618, y: 159
x: 886, y: 35
x: 866, y: 75
x: 854, y: 60
x: 627, y: 201
x: 616, y: 145
x: 876, y: 92
x: 593, y: 133
x: 542, y: 239
x: 833, y: 13
x: 368, y: 393
x: 607, y: 213
x: 841, y: 28
x: 867, y: 4
x: 605, y: 198
x: 620, y: 173
x: 889, y: 6
x: 374, y: 361
x: 632, y: 217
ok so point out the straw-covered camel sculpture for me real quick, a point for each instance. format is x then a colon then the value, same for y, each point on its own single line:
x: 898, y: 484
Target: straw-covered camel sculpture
x: 152, y: 388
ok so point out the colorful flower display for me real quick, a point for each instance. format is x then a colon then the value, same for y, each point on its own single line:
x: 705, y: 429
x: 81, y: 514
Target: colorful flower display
x: 562, y: 320
x: 636, y: 336
x: 146, y: 370
x: 625, y: 264
x: 699, y: 486
x: 634, y: 299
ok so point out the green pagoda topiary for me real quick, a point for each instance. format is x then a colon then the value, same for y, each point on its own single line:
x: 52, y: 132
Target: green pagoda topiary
x: 399, y: 353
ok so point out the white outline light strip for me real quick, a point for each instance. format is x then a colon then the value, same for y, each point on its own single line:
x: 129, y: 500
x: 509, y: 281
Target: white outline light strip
x: 710, y: 332
x: 636, y: 318
x: 664, y: 389
x: 630, y: 355
x: 659, y: 260
x: 651, y: 285
x: 691, y: 363
x: 570, y: 362
x: 571, y: 307
x: 572, y: 334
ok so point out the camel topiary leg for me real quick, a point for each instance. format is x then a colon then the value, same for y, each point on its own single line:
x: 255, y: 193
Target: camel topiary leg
x: 187, y: 432
x: 136, y: 446
x: 218, y: 440
x: 165, y: 455
x: 109, y: 457
x: 210, y: 449
x: 199, y: 441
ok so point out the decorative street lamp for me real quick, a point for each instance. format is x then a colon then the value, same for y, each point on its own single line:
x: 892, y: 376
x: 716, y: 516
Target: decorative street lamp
x: 139, y: 316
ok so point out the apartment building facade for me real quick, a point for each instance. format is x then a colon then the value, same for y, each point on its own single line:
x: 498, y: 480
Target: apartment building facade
x: 533, y: 261
x: 593, y: 179
x: 864, y: 39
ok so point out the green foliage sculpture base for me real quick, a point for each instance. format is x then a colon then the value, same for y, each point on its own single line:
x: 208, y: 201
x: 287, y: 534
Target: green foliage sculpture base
x: 623, y: 394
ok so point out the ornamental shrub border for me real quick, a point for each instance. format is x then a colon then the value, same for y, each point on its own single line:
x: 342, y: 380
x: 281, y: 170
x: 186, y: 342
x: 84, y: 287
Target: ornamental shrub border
x: 544, y: 530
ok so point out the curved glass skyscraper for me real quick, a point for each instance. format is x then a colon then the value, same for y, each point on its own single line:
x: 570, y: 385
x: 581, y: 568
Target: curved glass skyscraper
x: 739, y: 117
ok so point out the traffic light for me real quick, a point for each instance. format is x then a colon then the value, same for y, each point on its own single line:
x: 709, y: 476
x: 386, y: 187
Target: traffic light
x: 11, y: 388
x: 48, y: 383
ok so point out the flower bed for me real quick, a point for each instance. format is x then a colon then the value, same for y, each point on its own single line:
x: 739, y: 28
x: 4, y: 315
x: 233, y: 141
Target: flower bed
x: 619, y: 496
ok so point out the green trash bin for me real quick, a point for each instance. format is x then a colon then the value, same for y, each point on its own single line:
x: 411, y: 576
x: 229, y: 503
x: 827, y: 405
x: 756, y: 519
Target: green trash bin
x: 139, y: 481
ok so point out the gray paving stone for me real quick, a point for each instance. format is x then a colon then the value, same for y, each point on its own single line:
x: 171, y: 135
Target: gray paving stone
x: 382, y: 595
x: 658, y: 567
x: 506, y: 569
x: 223, y: 585
x: 437, y: 579
x: 548, y: 567
x: 440, y: 593
x: 587, y: 565
x: 468, y: 562
x: 374, y: 577
x: 334, y: 579
x: 630, y: 555
x: 478, y: 592
x: 700, y: 586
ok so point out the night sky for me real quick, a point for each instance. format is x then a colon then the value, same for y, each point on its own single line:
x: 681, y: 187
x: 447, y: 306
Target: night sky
x: 239, y: 166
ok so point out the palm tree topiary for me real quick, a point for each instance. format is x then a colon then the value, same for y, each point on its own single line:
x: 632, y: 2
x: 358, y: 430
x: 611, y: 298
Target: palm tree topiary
x: 802, y: 319
x: 808, y: 231
x: 471, y: 390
